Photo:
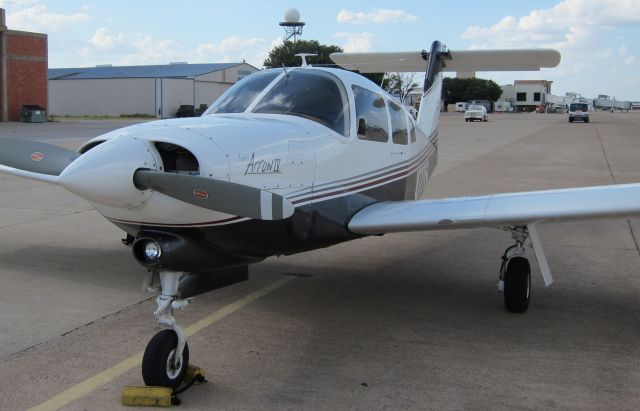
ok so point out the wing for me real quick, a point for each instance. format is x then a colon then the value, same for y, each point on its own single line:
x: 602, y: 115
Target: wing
x: 499, y: 210
x: 463, y: 61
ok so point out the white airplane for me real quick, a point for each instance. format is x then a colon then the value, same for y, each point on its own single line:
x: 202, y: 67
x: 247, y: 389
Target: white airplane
x: 290, y: 160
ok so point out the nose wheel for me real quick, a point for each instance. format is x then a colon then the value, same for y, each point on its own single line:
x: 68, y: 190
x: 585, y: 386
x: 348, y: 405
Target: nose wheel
x: 162, y: 366
x: 166, y: 357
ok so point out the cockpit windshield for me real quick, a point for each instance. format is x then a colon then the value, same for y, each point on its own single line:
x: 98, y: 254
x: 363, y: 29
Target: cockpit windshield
x: 242, y: 94
x: 313, y: 94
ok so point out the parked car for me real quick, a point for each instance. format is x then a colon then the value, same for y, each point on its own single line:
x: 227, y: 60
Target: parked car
x: 476, y: 113
x: 578, y: 112
x: 186, y: 110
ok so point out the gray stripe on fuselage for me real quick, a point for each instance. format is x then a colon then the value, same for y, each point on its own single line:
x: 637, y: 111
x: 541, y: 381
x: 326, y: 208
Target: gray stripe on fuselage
x: 323, y: 186
x: 424, y: 156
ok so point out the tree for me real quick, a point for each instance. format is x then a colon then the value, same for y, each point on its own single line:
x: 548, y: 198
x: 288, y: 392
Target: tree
x: 464, y: 89
x: 286, y: 54
x: 400, y: 84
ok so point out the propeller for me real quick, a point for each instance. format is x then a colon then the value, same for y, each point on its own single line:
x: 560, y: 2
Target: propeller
x: 217, y: 195
x: 35, y: 156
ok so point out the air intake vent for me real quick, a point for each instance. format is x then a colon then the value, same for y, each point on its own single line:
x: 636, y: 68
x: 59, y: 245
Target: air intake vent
x: 176, y: 159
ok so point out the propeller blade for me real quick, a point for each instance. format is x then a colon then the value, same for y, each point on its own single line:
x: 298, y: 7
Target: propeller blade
x: 217, y: 195
x: 35, y: 156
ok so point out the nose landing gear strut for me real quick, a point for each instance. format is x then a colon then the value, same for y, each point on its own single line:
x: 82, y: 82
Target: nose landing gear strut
x: 166, y: 357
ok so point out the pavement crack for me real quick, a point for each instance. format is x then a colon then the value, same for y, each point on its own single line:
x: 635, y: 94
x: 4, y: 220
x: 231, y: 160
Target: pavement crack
x: 633, y: 236
x: 613, y: 178
x: 73, y: 330
x: 604, y: 152
x: 37, y: 220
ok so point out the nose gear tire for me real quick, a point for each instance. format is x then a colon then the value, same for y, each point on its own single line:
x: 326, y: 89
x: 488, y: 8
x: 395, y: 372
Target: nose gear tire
x: 157, y: 363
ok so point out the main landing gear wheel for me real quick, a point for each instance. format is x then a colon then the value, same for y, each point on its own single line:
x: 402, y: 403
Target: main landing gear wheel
x: 159, y: 366
x: 517, y: 285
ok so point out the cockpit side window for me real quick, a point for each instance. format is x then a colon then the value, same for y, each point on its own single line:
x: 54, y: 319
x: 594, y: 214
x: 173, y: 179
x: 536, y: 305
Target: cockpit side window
x: 242, y: 94
x: 371, y: 115
x: 312, y: 94
x: 398, y: 124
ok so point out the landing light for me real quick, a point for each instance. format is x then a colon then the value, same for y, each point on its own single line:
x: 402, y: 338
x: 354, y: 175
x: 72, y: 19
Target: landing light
x: 152, y: 251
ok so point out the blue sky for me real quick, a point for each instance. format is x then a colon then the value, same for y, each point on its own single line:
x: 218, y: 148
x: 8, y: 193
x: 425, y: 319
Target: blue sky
x: 598, y: 39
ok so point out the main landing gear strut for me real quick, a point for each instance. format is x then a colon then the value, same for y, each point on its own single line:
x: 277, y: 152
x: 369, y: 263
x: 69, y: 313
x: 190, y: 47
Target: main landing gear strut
x: 515, y: 271
x: 166, y: 357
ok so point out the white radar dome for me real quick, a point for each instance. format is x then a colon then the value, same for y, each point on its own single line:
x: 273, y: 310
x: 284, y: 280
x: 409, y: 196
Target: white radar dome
x: 292, y: 16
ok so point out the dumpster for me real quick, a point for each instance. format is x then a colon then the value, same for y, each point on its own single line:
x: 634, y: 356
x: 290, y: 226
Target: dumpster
x: 33, y: 114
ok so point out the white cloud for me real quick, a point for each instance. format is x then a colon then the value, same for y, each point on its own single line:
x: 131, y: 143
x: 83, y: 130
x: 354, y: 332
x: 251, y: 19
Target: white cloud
x: 567, y: 24
x: 103, y: 40
x: 130, y: 49
x: 262, y: 54
x: 149, y: 50
x: 230, y: 44
x: 375, y: 16
x: 581, y: 29
x: 143, y: 49
x: 39, y: 18
x: 232, y: 49
x: 9, y: 3
x: 356, y: 42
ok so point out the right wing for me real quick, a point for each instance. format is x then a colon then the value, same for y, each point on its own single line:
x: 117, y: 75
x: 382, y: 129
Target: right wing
x: 461, y: 61
x: 498, y: 210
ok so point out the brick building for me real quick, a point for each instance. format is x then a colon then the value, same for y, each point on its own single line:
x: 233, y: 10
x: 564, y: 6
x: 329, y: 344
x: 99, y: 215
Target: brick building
x: 23, y: 70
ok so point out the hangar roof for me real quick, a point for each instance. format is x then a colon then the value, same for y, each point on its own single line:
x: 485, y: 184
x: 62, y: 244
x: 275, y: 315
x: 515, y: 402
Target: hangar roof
x: 159, y: 71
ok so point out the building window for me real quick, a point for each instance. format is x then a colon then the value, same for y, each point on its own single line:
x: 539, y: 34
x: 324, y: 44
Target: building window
x: 521, y: 96
x: 536, y: 96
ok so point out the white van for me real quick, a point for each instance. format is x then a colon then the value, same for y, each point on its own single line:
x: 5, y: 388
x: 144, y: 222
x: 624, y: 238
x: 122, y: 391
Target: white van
x: 578, y: 112
x: 461, y: 107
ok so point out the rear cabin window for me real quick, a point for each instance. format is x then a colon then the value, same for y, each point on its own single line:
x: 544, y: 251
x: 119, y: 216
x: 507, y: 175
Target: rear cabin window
x: 242, y: 94
x: 312, y: 94
x: 371, y: 115
x: 412, y: 129
x: 398, y: 124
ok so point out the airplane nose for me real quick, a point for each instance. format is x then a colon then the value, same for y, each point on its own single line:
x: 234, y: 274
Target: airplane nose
x: 104, y: 174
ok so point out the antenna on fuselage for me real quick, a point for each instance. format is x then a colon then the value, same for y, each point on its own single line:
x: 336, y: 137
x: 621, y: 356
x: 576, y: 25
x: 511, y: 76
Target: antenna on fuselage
x: 304, y: 56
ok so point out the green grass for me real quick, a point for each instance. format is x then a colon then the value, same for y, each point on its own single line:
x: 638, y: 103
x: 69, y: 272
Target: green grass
x: 136, y: 116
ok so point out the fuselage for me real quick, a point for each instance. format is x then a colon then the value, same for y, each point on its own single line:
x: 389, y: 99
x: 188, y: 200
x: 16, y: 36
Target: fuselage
x: 342, y: 146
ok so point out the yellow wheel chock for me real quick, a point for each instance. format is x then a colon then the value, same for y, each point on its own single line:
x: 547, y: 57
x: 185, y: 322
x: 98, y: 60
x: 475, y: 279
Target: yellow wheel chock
x: 161, y: 396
